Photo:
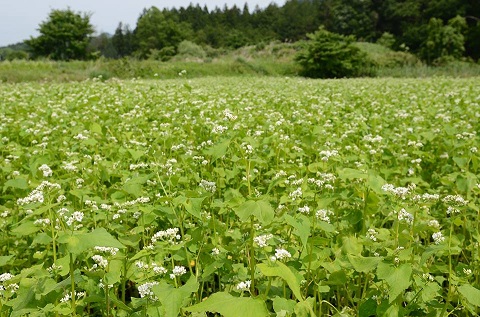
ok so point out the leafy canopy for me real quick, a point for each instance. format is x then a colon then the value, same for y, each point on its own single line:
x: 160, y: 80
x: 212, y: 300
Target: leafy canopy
x: 65, y: 35
x: 331, y: 55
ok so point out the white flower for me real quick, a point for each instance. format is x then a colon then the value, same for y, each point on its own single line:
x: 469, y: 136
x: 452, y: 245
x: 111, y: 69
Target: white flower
x: 323, y: 215
x: 47, y: 172
x: 244, y: 286
x: 145, y: 290
x: 304, y: 210
x: 434, y: 223
x: 404, y: 215
x: 372, y: 234
x: 100, y: 260
x: 262, y: 240
x: 179, y: 270
x: 158, y: 269
x: 215, y: 251
x: 297, y: 193
x: 170, y: 234
x: 281, y: 254
x: 111, y: 250
x: 467, y: 271
x: 208, y: 186
x: 438, y: 237
x: 6, y: 277
x: 219, y: 129
x: 455, y: 200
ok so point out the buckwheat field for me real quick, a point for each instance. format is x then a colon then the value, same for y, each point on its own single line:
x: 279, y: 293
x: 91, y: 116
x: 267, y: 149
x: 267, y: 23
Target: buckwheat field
x: 240, y: 197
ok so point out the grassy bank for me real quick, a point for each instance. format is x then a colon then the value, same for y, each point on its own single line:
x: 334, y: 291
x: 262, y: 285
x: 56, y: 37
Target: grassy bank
x: 276, y: 59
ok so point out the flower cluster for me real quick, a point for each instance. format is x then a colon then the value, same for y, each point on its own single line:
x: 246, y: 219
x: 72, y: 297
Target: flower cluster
x: 170, y: 234
x: 455, y: 200
x: 244, y: 286
x: 281, y: 254
x: 36, y: 196
x: 46, y: 170
x: 400, y: 192
x: 111, y: 250
x: 178, y: 271
x: 323, y: 215
x: 372, y: 234
x: 261, y: 241
x: 100, y: 261
x: 210, y: 187
x: 438, y: 237
x: 145, y: 290
x: 405, y: 216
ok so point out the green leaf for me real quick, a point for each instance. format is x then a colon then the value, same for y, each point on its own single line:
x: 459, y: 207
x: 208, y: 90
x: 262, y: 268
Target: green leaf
x: 264, y: 212
x: 281, y: 270
x: 136, y: 154
x: 19, y: 183
x: 218, y: 150
x: 100, y: 237
x: 283, y: 306
x: 368, y: 308
x: 78, y: 243
x: 363, y: 264
x: 397, y: 278
x: 173, y: 299
x: 231, y: 306
x: 470, y: 293
x: 194, y: 206
x: 25, y: 229
x: 245, y: 210
x: 96, y: 128
x: 350, y: 173
x: 302, y: 227
x: 375, y: 182
x: 5, y: 259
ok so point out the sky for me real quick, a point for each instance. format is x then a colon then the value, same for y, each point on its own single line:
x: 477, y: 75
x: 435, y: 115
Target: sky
x: 19, y: 19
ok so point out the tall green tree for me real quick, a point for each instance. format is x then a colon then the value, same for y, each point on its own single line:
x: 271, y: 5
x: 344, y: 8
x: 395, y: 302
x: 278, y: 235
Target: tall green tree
x: 65, y: 35
x: 444, y: 42
x: 123, y: 41
x: 157, y: 30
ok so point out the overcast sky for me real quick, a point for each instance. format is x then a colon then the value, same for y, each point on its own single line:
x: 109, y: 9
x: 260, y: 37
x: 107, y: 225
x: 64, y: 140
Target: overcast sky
x: 19, y: 19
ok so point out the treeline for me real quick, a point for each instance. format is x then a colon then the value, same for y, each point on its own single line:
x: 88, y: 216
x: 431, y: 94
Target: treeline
x: 402, y: 24
x: 431, y: 29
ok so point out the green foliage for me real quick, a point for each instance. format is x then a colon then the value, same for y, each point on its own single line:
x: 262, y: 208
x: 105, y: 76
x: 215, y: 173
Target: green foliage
x: 230, y: 306
x: 158, y: 31
x: 387, y: 39
x: 330, y: 55
x: 239, y: 196
x: 65, y: 35
x: 187, y: 49
x: 384, y: 57
x: 444, y: 42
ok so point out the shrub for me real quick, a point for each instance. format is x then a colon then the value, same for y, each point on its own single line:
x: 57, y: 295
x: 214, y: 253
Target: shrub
x: 187, y: 49
x: 331, y: 55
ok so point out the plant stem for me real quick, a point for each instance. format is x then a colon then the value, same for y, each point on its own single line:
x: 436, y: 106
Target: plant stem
x: 252, y: 257
x: 72, y: 280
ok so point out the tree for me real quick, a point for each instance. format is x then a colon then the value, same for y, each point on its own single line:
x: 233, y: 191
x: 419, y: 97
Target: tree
x: 331, y: 55
x: 122, y: 41
x: 444, y: 42
x: 65, y: 35
x: 157, y: 30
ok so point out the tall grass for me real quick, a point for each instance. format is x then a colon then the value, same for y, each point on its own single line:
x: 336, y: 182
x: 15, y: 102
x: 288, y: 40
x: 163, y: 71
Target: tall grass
x: 274, y: 59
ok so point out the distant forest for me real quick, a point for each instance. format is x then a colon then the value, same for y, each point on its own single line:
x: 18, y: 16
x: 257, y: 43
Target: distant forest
x: 408, y: 25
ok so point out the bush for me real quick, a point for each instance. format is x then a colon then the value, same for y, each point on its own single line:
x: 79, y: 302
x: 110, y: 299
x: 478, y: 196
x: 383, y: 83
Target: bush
x: 187, y: 49
x: 331, y: 55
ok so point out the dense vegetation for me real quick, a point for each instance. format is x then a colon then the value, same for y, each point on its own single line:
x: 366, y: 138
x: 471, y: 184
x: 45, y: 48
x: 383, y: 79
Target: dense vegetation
x: 436, y: 31
x: 244, y: 197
